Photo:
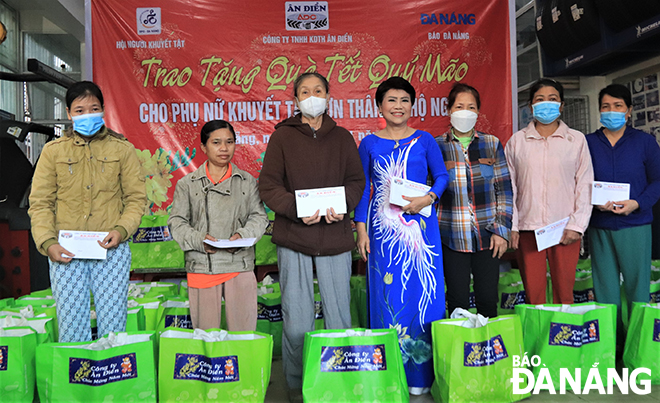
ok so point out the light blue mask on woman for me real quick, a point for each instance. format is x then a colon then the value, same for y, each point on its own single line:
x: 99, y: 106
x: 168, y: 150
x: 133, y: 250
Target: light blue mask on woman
x: 546, y: 112
x: 613, y: 120
x: 88, y: 124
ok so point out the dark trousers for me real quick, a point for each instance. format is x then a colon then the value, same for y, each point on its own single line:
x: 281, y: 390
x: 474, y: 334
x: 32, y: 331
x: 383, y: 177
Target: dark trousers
x: 485, y: 271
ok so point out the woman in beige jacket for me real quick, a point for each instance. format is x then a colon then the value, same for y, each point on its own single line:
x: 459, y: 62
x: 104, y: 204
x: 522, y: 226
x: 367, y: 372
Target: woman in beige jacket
x: 219, y: 201
x: 90, y: 179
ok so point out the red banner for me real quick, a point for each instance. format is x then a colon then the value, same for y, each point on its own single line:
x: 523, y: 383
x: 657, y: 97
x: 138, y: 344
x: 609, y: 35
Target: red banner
x: 167, y: 70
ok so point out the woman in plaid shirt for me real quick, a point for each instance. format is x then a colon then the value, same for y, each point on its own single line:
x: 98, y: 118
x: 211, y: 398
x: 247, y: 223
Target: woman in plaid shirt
x: 475, y: 211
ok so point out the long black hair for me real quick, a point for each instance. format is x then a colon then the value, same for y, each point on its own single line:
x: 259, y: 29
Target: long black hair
x: 214, y: 125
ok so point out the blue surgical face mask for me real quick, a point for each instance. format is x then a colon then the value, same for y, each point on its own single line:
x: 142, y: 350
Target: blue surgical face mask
x: 613, y: 120
x: 88, y: 124
x: 546, y: 112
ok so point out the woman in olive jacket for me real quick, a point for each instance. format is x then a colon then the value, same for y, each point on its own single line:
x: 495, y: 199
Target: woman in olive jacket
x: 90, y: 179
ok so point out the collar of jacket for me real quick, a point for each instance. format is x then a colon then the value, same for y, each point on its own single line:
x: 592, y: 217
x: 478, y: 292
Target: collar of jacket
x: 327, y: 125
x: 627, y: 133
x: 532, y: 133
x: 200, y: 172
x: 81, y: 141
x: 450, y: 135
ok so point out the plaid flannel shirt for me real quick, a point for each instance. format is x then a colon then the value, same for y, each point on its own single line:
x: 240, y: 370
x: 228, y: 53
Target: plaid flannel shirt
x: 478, y: 201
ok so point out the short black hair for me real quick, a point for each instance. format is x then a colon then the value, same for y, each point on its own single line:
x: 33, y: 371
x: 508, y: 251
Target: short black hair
x: 546, y: 82
x: 83, y: 89
x: 394, y: 83
x: 459, y: 88
x: 303, y: 76
x: 617, y: 91
x: 214, y: 125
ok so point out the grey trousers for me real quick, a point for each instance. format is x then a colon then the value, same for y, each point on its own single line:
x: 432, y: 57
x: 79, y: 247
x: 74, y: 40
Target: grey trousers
x: 297, y: 285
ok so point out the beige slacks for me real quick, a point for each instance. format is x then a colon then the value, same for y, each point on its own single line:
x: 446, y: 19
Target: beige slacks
x: 240, y: 304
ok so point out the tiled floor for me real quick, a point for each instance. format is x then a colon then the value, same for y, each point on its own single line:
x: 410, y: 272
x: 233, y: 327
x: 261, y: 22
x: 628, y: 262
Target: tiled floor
x: 277, y: 393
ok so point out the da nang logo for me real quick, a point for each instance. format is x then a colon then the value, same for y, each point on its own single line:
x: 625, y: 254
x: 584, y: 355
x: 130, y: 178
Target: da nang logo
x: 532, y: 376
x: 306, y: 15
x: 148, y: 21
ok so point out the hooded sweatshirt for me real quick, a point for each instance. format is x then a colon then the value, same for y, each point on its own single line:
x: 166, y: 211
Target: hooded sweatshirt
x: 297, y: 158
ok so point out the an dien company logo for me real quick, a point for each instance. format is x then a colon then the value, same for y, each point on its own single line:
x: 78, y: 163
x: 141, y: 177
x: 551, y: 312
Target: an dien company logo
x: 302, y: 195
x: 306, y: 15
x: 447, y: 19
x: 148, y: 20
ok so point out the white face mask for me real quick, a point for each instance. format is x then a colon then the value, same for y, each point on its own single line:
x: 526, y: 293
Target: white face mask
x: 463, y: 120
x: 312, y: 106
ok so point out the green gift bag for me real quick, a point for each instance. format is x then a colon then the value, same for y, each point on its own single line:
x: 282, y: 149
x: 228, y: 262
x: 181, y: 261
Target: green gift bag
x: 570, y: 336
x: 30, y: 308
x: 269, y: 318
x: 475, y: 364
x: 40, y: 305
x: 156, y: 288
x: 150, y: 308
x: 354, y: 365
x: 42, y: 293
x: 213, y: 365
x: 511, y: 292
x: 44, y: 327
x: 654, y: 296
x: 319, y: 322
x: 6, y: 302
x: 135, y: 320
x: 583, y: 266
x: 17, y: 365
x: 583, y: 290
x: 152, y: 246
x: 363, y: 308
x: 38, y: 301
x: 655, y: 270
x: 357, y: 283
x: 120, y: 367
x: 24, y: 311
x: 173, y: 313
x: 183, y: 289
x: 265, y: 250
x: 642, y: 347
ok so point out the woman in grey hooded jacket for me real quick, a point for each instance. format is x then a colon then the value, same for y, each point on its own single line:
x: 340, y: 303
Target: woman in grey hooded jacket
x: 219, y: 201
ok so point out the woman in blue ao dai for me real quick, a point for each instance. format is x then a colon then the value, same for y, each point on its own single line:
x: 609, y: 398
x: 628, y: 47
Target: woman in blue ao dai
x: 402, y: 246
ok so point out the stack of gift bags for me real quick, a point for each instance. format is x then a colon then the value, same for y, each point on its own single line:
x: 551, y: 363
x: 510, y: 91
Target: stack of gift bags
x: 192, y: 364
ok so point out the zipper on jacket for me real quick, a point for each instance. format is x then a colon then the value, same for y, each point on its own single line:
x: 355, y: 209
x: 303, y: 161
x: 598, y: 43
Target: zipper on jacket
x: 206, y: 208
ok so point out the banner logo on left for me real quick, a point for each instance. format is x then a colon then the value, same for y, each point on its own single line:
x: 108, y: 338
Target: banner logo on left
x: 97, y: 373
x: 148, y: 20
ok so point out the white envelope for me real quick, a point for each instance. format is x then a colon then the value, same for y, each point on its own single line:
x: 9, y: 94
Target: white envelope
x: 83, y: 244
x: 310, y: 200
x: 603, y: 192
x: 550, y: 235
x: 404, y: 187
x: 226, y: 243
